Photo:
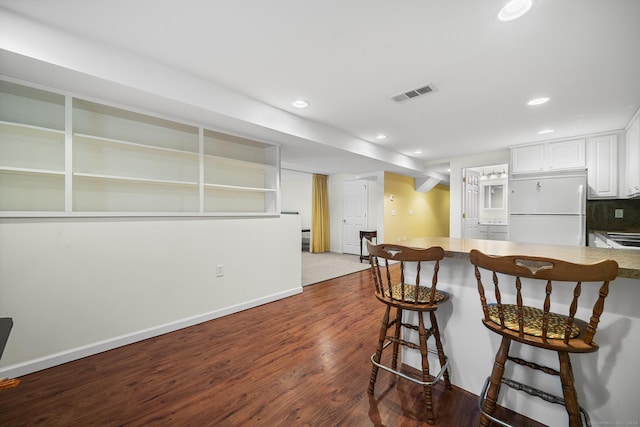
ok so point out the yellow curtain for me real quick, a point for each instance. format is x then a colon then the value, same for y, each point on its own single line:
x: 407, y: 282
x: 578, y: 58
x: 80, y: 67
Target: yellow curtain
x: 319, y: 214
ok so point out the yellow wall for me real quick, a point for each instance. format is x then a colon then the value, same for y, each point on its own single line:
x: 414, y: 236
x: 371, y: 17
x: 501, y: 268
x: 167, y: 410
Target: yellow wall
x: 430, y: 210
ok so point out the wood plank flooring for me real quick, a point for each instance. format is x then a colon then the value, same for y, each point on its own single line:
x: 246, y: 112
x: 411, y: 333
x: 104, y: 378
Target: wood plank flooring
x: 301, y: 361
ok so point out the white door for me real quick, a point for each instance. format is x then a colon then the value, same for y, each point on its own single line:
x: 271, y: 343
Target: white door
x: 354, y: 214
x: 470, y: 204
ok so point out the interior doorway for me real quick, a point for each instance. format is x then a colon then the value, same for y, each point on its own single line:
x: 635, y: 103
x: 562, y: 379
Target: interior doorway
x: 470, y: 191
x: 484, y: 200
x: 354, y: 214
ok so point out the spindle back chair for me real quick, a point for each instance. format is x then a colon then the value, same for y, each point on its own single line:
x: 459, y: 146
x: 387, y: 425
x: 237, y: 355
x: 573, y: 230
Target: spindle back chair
x: 405, y: 279
x: 518, y: 313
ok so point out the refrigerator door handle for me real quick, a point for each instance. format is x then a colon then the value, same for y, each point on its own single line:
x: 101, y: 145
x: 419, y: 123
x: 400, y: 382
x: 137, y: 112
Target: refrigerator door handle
x: 582, y: 202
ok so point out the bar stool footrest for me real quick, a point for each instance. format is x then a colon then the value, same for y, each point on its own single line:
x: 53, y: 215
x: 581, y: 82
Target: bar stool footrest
x: 529, y: 390
x: 443, y: 368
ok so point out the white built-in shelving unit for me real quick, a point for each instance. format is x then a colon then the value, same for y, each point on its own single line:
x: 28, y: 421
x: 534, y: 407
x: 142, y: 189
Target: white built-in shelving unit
x: 61, y: 155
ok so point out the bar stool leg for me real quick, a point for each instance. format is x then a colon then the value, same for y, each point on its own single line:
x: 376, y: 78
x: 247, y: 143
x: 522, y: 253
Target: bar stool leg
x: 568, y: 389
x: 436, y: 336
x: 496, y: 375
x: 378, y: 356
x: 396, y: 343
x: 425, y: 369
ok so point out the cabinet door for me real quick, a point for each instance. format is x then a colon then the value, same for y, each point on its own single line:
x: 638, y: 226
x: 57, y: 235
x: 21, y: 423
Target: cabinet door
x: 528, y: 158
x: 633, y: 159
x: 567, y: 155
x: 603, y: 167
x: 483, y: 232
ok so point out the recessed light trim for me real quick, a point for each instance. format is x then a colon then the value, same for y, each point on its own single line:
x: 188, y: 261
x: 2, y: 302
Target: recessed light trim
x: 300, y: 103
x: 545, y: 131
x: 514, y: 10
x: 539, y: 101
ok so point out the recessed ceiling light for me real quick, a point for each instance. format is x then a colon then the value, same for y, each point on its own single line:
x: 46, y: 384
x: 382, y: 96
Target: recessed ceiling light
x: 538, y: 101
x: 545, y: 131
x: 514, y: 10
x: 381, y: 137
x: 300, y: 103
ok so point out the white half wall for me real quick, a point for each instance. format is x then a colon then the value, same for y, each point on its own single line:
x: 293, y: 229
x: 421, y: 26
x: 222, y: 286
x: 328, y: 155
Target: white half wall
x: 79, y: 286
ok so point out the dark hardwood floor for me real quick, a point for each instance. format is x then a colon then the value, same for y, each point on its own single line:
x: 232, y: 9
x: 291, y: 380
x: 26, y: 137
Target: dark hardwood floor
x: 301, y: 361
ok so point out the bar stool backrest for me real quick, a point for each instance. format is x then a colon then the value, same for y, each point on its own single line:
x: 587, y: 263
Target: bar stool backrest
x: 417, y: 275
x: 532, y: 322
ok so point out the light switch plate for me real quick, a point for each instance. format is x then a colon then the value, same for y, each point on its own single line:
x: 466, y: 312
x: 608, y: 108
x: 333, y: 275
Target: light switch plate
x: 619, y: 213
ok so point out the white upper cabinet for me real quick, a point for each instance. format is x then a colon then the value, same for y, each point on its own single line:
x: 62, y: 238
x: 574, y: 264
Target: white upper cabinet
x: 548, y: 157
x: 633, y: 159
x: 528, y: 158
x: 567, y: 155
x: 602, y: 162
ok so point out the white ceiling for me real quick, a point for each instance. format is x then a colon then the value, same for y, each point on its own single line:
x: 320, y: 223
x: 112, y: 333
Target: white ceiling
x: 348, y: 57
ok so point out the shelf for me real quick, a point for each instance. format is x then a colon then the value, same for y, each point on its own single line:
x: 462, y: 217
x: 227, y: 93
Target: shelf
x: 30, y: 171
x: 63, y: 156
x: 134, y: 179
x: 111, y: 159
x: 24, y: 189
x: 29, y: 106
x: 137, y: 145
x: 31, y: 127
x: 238, y: 163
x: 27, y: 147
x: 239, y: 188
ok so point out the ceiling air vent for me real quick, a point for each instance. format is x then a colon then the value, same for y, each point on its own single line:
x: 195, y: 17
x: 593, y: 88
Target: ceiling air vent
x: 413, y: 93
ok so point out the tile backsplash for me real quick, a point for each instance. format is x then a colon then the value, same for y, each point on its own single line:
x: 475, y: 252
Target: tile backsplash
x: 601, y: 215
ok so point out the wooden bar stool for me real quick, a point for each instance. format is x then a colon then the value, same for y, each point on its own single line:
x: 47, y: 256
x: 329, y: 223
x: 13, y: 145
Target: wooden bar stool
x: 519, y: 318
x: 402, y: 289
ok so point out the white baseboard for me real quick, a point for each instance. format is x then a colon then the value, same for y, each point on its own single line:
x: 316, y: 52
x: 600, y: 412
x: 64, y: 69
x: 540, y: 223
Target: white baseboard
x: 34, y: 365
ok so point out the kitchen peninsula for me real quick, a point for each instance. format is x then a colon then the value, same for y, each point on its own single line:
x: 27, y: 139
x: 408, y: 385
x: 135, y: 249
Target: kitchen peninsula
x: 606, y: 380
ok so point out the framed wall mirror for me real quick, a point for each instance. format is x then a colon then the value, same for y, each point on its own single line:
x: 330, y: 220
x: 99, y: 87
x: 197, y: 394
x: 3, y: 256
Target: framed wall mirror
x: 493, y: 196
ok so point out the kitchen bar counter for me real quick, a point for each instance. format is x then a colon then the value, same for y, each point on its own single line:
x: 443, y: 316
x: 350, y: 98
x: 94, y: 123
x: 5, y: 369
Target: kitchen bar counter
x: 628, y: 259
x: 607, y: 380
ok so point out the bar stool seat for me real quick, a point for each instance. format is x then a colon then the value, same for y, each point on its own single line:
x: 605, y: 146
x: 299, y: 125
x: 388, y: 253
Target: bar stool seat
x: 402, y: 289
x: 522, y: 312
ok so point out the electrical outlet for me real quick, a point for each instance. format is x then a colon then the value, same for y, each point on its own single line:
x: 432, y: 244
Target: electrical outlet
x: 619, y: 213
x: 219, y: 270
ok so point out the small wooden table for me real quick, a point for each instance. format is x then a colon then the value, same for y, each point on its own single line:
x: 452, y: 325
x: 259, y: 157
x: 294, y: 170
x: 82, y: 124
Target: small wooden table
x: 369, y: 235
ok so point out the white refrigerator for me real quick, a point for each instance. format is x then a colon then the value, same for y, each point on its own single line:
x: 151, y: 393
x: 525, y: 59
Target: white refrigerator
x: 548, y: 209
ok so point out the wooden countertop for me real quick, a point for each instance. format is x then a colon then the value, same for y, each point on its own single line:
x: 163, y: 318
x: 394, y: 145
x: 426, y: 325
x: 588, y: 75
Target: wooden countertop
x: 628, y: 259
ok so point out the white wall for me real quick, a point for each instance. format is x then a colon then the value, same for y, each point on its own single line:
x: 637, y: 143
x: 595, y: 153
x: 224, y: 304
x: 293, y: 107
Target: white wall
x: 295, y: 194
x: 75, y: 287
